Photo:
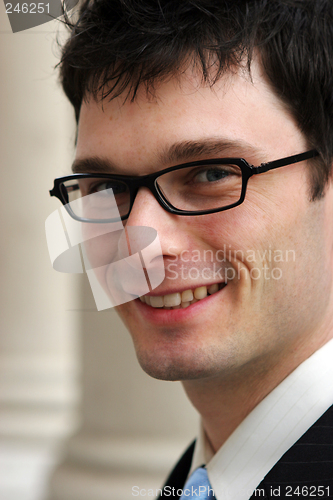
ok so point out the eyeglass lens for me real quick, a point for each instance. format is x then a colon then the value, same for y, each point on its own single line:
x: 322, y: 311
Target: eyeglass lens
x: 204, y: 187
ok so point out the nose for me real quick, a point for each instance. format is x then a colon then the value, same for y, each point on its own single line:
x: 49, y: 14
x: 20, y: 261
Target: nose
x: 147, y: 212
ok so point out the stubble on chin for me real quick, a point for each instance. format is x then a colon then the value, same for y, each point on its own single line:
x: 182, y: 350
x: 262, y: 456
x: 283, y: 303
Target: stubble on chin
x: 180, y: 363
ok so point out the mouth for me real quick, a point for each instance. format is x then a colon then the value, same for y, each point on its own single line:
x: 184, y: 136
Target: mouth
x: 181, y: 300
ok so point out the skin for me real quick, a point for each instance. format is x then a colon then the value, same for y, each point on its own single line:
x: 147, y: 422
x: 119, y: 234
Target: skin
x: 237, y: 346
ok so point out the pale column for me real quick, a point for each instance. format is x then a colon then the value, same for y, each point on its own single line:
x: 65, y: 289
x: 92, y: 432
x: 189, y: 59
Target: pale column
x: 38, y: 346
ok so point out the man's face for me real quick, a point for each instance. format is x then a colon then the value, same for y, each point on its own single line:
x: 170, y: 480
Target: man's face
x: 274, y: 249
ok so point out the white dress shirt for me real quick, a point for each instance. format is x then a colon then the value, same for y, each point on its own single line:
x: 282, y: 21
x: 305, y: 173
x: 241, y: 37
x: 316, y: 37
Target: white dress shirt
x: 272, y: 427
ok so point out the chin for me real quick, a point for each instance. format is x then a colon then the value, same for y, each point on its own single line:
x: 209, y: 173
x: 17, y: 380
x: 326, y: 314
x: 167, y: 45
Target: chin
x: 178, y: 366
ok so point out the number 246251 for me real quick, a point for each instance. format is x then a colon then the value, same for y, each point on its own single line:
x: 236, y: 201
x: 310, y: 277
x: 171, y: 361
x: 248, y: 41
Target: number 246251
x: 28, y: 8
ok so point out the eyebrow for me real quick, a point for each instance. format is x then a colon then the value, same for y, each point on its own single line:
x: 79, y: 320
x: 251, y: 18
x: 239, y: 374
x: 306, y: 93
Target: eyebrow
x: 93, y: 165
x: 187, y: 150
x: 179, y: 152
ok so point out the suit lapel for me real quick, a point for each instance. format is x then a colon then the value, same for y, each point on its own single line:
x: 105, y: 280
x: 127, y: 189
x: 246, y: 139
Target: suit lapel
x: 308, y: 463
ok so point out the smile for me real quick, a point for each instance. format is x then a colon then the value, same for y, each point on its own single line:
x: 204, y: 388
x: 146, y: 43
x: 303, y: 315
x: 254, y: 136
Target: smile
x: 181, y: 300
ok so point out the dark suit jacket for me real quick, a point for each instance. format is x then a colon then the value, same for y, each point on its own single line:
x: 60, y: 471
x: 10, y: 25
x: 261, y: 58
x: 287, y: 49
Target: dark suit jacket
x: 308, y: 464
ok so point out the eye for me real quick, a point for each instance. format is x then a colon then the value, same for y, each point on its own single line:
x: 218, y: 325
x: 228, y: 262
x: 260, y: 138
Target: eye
x: 102, y: 187
x: 211, y: 174
x: 116, y: 188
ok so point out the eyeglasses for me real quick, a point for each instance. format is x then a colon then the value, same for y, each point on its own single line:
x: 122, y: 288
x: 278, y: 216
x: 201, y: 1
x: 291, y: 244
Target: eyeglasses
x: 196, y: 188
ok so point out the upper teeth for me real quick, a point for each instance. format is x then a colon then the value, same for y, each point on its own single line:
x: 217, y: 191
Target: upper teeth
x: 183, y: 299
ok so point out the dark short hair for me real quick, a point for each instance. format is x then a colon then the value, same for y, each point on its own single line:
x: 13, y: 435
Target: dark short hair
x: 117, y: 46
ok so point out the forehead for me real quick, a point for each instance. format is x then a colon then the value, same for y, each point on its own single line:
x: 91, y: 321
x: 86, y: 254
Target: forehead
x: 238, y: 110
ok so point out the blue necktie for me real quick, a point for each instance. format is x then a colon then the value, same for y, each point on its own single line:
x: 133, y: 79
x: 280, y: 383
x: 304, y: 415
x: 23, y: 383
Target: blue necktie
x: 198, y: 486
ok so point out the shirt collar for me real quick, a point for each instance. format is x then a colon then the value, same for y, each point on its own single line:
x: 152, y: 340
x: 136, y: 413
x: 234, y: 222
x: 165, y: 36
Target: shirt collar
x: 203, y: 452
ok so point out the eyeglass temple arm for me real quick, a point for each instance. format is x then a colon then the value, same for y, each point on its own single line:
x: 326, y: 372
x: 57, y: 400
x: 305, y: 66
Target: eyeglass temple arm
x: 289, y: 160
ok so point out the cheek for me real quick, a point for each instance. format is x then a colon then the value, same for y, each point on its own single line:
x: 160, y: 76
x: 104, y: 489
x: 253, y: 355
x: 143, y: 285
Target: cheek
x: 267, y: 234
x: 99, y: 252
x: 119, y: 273
x: 102, y: 243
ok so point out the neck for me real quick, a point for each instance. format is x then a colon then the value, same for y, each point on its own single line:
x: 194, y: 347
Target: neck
x: 225, y: 400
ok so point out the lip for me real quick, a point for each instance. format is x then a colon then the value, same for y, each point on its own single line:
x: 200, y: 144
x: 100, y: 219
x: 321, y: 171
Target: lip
x: 162, y: 317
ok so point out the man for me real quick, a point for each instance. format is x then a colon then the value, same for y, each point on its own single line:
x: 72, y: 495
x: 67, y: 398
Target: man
x: 244, y: 315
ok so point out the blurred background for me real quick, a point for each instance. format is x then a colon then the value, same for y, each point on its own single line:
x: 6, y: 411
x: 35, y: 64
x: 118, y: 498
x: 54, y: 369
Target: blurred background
x: 79, y: 420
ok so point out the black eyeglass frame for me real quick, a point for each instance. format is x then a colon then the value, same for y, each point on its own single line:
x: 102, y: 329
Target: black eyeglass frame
x: 134, y: 183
